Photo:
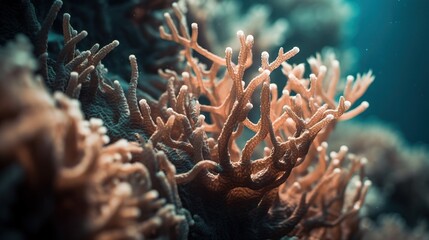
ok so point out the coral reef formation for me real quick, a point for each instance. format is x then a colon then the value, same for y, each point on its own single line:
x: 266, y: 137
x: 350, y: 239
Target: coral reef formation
x: 52, y: 156
x: 392, y: 227
x: 397, y: 171
x: 177, y: 168
x: 312, y: 25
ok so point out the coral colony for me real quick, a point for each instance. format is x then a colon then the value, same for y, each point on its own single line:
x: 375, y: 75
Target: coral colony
x: 86, y: 159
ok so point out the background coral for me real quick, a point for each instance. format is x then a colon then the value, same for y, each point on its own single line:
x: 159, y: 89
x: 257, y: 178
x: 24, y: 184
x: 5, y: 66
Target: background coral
x: 312, y: 25
x: 397, y: 170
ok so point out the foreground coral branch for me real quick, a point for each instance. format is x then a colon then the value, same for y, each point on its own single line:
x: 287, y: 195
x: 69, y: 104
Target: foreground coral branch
x: 289, y: 125
x: 96, y: 184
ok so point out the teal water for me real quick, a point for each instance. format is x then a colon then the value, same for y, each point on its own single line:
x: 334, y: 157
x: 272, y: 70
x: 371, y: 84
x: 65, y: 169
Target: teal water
x: 392, y: 39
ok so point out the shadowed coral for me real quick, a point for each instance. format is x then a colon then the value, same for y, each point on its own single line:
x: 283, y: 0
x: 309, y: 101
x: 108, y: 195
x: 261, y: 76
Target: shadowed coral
x: 96, y: 190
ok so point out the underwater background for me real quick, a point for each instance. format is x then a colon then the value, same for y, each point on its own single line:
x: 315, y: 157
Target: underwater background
x: 392, y: 40
x: 387, y: 37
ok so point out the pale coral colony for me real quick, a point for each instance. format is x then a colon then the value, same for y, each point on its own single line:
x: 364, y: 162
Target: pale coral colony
x: 90, y: 157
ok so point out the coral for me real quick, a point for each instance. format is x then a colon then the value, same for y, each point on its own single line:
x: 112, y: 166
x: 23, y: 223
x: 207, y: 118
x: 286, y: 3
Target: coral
x: 392, y: 227
x: 56, y: 157
x: 279, y: 183
x: 221, y: 19
x: 397, y: 170
x: 313, y: 25
x: 133, y: 23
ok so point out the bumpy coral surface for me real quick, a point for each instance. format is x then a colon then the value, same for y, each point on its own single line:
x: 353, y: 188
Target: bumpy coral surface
x: 187, y: 170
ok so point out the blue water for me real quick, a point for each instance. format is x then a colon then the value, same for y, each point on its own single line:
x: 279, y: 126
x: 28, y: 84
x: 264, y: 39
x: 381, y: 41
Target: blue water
x: 392, y: 39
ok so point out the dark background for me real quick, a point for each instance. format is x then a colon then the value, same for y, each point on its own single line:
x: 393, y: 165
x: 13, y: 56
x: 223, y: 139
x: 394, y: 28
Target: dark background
x: 393, y: 40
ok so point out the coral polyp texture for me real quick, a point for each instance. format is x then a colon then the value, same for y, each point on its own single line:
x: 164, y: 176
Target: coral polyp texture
x: 82, y: 158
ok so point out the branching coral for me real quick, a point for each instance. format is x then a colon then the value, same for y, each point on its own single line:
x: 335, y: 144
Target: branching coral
x: 313, y: 25
x: 279, y: 183
x: 397, y: 170
x: 98, y: 192
x: 287, y: 134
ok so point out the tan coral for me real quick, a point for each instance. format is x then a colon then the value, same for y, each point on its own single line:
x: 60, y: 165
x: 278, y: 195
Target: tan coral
x: 97, y: 186
x: 288, y: 124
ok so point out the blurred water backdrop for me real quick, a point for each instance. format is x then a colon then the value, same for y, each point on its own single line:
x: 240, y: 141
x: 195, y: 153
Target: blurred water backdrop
x: 392, y: 39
